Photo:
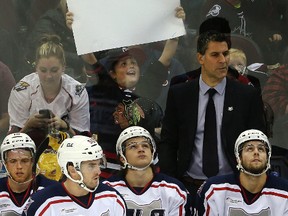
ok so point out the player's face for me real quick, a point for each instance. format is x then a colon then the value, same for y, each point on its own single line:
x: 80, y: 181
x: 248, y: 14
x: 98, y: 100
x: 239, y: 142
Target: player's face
x: 50, y: 71
x: 19, y: 164
x: 254, y: 156
x: 91, y: 173
x: 138, y: 151
x: 215, y: 61
x: 119, y: 117
x: 126, y: 72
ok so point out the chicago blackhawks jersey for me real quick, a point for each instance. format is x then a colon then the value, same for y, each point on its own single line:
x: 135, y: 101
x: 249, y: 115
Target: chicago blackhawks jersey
x: 223, y: 195
x: 71, y: 103
x: 163, y: 196
x: 57, y: 201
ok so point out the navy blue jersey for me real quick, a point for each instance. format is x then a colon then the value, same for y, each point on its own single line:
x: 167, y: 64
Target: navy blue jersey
x: 13, y: 203
x: 56, y: 200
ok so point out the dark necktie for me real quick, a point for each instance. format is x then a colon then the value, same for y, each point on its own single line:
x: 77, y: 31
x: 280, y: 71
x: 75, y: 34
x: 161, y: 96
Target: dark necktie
x: 210, y: 165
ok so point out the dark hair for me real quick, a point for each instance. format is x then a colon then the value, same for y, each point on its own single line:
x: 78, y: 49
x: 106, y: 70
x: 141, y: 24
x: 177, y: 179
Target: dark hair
x: 219, y: 24
x: 49, y: 45
x: 114, y: 55
x: 211, y: 36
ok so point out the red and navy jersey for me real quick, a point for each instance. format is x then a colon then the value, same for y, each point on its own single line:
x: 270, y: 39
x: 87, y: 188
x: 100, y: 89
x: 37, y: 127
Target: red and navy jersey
x: 13, y: 203
x: 56, y: 201
x: 224, y: 195
x: 163, y: 196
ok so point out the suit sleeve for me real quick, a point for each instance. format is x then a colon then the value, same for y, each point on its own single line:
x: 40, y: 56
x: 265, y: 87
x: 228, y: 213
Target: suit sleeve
x: 168, y: 146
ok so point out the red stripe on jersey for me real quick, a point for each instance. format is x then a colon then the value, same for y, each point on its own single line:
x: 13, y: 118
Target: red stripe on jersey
x: 110, y: 195
x: 220, y: 189
x: 275, y: 194
x: 52, y: 203
x: 169, y: 186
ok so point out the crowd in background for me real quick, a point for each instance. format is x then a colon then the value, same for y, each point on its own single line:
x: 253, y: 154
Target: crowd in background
x: 92, y: 96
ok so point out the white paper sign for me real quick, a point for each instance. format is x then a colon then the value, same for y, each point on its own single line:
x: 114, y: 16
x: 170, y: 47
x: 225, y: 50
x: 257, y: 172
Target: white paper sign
x: 106, y: 24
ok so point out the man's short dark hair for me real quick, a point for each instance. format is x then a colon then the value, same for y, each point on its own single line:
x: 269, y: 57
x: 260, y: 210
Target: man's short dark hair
x: 216, y: 24
x: 211, y: 36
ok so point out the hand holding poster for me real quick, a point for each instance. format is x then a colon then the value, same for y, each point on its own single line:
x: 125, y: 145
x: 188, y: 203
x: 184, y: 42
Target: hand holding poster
x: 106, y: 24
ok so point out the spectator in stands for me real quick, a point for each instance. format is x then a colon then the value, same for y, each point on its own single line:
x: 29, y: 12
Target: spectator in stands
x: 53, y: 22
x: 238, y: 60
x: 49, y: 88
x: 120, y: 80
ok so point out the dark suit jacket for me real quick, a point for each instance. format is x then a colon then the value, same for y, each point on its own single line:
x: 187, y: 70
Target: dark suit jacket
x: 243, y: 109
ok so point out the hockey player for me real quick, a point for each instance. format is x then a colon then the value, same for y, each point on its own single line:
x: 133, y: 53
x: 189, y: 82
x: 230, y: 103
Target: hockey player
x: 18, y: 153
x: 81, y: 193
x: 250, y: 192
x: 145, y: 191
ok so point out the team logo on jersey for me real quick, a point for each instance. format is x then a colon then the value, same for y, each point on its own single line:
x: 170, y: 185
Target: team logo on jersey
x: 79, y: 89
x: 21, y: 86
x: 69, y: 211
x: 233, y: 200
x: 214, y: 11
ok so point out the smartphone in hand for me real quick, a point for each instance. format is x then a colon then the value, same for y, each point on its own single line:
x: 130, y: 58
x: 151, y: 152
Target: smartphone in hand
x: 46, y: 113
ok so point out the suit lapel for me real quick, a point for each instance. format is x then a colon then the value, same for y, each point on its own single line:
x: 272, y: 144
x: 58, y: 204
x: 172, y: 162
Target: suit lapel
x: 228, y: 108
x: 193, y: 98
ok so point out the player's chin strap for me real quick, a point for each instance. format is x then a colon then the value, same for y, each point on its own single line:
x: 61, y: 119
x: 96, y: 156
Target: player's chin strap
x: 241, y: 168
x: 129, y: 166
x: 19, y: 183
x: 81, y: 183
x: 34, y: 174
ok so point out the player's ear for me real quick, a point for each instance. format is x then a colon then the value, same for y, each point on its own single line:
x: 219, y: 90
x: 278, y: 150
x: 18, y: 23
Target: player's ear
x: 71, y: 169
x: 121, y: 159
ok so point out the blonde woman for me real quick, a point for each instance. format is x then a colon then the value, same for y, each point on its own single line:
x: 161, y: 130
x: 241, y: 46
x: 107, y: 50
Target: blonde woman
x: 64, y: 99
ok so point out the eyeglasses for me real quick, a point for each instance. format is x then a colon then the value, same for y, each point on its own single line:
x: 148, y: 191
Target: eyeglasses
x: 262, y: 148
x: 135, y: 145
x: 22, y: 161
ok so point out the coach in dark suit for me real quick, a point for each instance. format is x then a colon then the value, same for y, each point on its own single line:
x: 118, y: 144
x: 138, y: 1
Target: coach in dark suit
x: 238, y: 107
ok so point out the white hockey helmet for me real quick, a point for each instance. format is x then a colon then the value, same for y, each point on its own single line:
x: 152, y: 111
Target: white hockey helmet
x: 249, y: 135
x: 131, y: 132
x: 15, y: 141
x: 76, y: 150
